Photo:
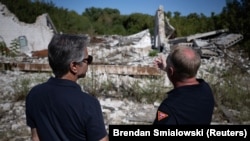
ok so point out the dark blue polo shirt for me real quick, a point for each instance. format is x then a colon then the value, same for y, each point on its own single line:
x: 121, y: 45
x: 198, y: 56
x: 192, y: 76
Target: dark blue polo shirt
x: 192, y: 104
x: 62, y: 112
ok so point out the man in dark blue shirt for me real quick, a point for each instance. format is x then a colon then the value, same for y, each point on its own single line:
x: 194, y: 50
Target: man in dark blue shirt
x: 58, y: 110
x: 191, y: 101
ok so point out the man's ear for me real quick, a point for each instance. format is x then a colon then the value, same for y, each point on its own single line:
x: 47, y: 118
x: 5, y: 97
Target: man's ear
x: 73, y: 67
x: 170, y: 71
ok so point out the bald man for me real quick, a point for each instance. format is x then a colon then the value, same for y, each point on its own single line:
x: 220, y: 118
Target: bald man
x: 191, y: 100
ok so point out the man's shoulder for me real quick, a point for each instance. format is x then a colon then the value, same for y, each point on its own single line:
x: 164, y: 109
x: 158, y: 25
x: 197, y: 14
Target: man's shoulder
x: 39, y: 86
x: 201, y: 80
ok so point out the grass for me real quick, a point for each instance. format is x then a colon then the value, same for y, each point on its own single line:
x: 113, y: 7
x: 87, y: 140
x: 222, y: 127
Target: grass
x: 23, y: 84
x: 145, y: 89
x: 22, y: 87
x: 232, y: 90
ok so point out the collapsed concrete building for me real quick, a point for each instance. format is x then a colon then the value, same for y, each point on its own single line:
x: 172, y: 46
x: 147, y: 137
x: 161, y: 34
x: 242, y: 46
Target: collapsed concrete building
x: 27, y: 37
x: 30, y: 38
x: 208, y: 44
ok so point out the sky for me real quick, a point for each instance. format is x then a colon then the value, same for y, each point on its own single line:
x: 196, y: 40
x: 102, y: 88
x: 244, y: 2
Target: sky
x: 127, y: 7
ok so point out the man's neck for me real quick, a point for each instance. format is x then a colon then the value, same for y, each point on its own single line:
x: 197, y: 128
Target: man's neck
x: 189, y: 81
x: 70, y: 76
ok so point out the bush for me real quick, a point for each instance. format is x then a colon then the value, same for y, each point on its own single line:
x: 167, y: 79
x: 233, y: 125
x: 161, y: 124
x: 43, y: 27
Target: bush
x: 153, y: 53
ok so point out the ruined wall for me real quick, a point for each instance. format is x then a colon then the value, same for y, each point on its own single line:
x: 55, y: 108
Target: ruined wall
x: 163, y: 30
x: 159, y: 33
x: 31, y: 37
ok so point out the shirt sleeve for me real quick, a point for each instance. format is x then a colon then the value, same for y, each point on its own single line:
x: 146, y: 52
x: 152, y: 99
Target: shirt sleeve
x: 164, y: 116
x: 95, y: 126
x: 29, y: 120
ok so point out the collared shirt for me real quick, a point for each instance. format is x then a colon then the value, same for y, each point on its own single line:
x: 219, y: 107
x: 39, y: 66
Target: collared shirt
x: 61, y: 111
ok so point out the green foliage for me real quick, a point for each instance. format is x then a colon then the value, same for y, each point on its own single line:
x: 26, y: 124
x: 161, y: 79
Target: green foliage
x: 12, y: 51
x: 14, y: 48
x: 138, y: 22
x: 119, y: 29
x: 3, y: 49
x: 153, y: 53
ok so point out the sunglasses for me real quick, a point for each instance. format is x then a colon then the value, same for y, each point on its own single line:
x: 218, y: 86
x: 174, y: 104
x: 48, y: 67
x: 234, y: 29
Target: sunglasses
x: 88, y: 60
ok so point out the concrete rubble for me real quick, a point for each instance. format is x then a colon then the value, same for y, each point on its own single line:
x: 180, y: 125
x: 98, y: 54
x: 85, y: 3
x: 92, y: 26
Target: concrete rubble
x: 130, y: 50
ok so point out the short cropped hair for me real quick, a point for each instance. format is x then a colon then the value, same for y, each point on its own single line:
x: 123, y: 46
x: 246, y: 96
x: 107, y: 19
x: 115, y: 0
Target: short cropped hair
x: 64, y: 49
x: 185, y: 60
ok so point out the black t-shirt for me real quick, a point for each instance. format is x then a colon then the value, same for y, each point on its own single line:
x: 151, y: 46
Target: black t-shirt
x: 61, y: 111
x: 193, y: 104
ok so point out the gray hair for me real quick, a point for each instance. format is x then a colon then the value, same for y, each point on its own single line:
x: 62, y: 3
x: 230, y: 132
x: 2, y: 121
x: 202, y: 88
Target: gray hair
x: 64, y: 49
x: 185, y: 60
